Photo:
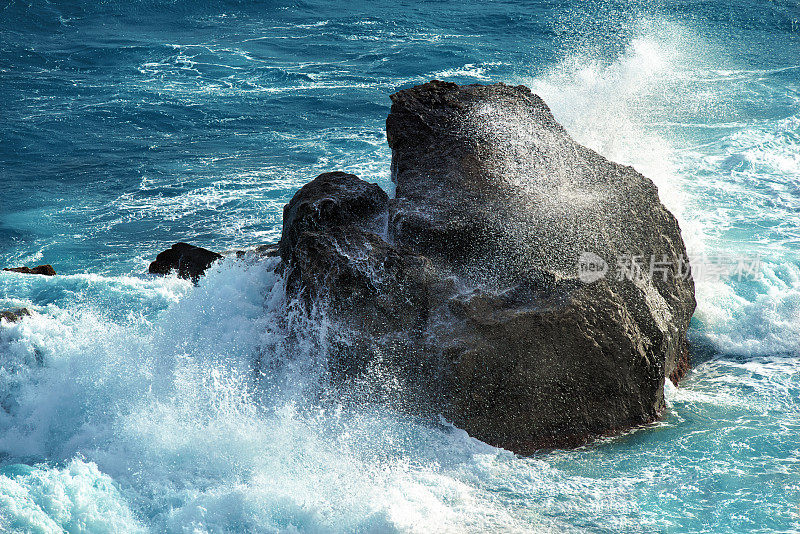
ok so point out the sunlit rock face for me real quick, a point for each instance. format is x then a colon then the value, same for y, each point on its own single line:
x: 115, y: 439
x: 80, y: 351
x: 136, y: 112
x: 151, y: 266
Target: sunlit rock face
x: 468, y: 294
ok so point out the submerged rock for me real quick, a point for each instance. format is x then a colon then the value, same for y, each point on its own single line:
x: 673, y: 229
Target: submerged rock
x: 483, y: 291
x: 259, y: 251
x: 44, y: 270
x: 187, y: 260
x: 14, y: 314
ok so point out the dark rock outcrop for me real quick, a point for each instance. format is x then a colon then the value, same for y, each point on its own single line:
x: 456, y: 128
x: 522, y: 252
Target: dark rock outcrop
x: 14, y: 314
x: 44, y: 270
x: 187, y: 260
x: 334, y: 199
x: 464, y: 295
x: 337, y: 258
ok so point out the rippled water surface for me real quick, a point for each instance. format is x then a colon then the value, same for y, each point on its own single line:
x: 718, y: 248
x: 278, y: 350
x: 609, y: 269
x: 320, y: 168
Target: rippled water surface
x: 128, y: 403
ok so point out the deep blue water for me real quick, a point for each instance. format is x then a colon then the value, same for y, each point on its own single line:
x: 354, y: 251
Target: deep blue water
x: 127, y: 402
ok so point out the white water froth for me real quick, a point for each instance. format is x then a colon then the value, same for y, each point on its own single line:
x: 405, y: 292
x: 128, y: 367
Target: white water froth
x: 170, y: 408
x: 78, y: 498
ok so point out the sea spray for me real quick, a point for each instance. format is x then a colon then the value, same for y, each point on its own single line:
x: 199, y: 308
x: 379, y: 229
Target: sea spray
x: 621, y: 108
x: 170, y: 408
x: 77, y: 498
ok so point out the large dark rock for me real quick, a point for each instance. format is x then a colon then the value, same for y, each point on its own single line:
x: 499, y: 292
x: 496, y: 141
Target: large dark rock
x: 44, y: 270
x: 464, y: 291
x: 187, y: 260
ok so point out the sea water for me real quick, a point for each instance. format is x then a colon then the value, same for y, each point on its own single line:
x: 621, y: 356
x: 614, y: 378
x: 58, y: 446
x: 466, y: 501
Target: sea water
x: 130, y: 403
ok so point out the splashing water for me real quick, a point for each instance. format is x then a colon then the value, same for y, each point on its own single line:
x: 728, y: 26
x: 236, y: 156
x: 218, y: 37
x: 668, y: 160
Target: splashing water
x: 619, y: 109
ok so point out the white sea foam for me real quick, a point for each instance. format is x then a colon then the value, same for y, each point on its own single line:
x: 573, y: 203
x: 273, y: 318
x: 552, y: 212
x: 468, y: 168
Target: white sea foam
x: 169, y: 406
x: 77, y: 498
x: 469, y: 70
x: 171, y: 409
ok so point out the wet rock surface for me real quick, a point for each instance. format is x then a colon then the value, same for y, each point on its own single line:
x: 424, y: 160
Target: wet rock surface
x: 44, y: 270
x: 332, y: 200
x: 260, y: 251
x: 14, y: 314
x: 189, y: 261
x: 464, y: 291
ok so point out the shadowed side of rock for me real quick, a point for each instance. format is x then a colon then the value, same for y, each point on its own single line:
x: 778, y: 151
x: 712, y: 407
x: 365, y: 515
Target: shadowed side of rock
x: 374, y: 296
x: 333, y: 199
x: 550, y: 368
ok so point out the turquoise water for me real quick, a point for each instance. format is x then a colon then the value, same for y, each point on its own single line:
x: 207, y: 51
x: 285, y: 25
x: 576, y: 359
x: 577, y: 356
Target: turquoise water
x: 129, y: 403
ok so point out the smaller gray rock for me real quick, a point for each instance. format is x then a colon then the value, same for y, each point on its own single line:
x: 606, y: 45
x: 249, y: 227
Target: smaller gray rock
x: 44, y: 270
x: 261, y: 251
x: 187, y: 260
x: 14, y: 314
